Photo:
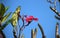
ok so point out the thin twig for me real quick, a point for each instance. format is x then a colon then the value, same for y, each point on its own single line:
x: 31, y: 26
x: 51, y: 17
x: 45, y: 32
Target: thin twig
x: 54, y: 10
x: 43, y: 36
x: 57, y: 17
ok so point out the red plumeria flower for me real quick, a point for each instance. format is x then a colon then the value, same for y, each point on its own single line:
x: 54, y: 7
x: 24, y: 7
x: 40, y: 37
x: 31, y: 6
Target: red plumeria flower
x: 36, y: 19
x: 30, y: 18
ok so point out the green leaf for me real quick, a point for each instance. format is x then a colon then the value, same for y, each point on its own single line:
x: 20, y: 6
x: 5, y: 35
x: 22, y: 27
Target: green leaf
x: 14, y: 19
x: 5, y: 17
x: 6, y: 23
x: 6, y: 8
x: 15, y: 16
x: 18, y: 8
x: 2, y: 9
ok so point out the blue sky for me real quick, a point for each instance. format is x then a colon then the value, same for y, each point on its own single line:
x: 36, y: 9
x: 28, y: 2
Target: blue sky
x: 37, y: 8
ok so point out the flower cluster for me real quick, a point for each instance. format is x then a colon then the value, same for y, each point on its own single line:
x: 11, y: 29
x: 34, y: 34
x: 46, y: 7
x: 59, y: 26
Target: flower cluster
x: 30, y: 18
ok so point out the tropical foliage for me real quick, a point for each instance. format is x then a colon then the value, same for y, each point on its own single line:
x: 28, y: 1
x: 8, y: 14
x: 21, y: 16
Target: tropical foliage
x: 26, y: 20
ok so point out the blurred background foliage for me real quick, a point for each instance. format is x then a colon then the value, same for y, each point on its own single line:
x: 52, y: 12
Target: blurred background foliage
x: 37, y: 8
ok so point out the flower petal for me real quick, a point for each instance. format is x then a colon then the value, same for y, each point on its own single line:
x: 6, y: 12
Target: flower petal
x: 36, y: 19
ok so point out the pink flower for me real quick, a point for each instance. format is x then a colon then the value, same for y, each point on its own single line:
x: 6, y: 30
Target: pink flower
x: 36, y: 19
x: 30, y: 18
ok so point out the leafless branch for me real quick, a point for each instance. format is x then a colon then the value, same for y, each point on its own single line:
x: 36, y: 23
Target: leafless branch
x: 57, y: 17
x: 55, y: 11
x: 43, y: 36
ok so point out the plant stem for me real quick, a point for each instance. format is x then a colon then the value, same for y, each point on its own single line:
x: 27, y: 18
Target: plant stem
x: 43, y: 36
